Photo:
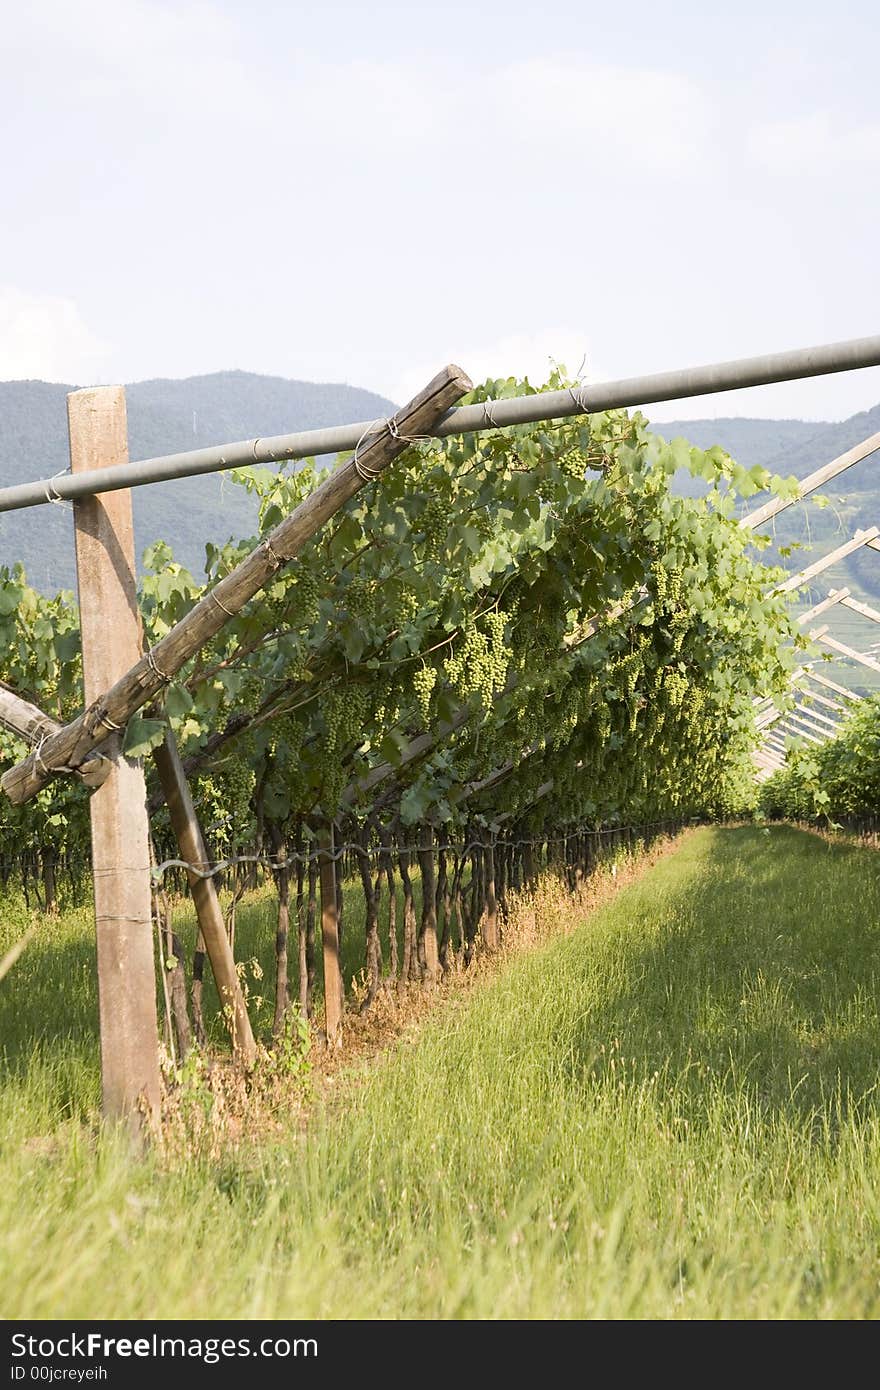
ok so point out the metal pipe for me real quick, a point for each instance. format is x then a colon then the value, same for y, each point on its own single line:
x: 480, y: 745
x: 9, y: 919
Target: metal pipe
x: 518, y: 410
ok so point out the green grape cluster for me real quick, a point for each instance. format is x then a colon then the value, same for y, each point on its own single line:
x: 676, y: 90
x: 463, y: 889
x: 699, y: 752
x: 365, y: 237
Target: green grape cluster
x: 482, y: 524
x: 344, y: 711
x: 434, y: 524
x: 305, y: 594
x: 675, y: 687
x: 407, y: 605
x: 358, y: 600
x: 546, y: 487
x: 573, y: 464
x: 424, y: 680
x: 479, y: 663
x: 631, y: 666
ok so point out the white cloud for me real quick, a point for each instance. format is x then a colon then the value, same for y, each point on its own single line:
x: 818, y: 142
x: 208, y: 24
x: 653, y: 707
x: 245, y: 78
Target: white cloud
x: 44, y: 336
x: 814, y: 145
x: 594, y: 113
x: 184, y: 54
x: 569, y: 114
x: 515, y: 354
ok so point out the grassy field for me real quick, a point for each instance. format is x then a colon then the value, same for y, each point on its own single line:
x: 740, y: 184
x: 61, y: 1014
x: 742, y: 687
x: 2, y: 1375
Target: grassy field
x: 670, y: 1112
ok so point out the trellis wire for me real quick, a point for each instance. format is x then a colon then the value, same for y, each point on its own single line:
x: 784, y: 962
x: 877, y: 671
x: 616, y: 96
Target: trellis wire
x: 340, y: 851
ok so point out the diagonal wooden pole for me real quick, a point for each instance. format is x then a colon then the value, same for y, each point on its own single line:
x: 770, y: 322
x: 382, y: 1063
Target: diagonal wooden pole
x: 116, y: 702
x: 31, y: 724
x: 188, y: 834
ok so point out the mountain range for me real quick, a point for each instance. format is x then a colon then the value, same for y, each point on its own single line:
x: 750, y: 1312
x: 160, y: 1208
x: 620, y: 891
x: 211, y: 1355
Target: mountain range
x: 166, y: 416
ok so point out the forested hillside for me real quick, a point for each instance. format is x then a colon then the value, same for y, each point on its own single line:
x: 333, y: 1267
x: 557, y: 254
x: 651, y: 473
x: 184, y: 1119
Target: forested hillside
x: 163, y: 417
x: 167, y: 415
x: 803, y: 532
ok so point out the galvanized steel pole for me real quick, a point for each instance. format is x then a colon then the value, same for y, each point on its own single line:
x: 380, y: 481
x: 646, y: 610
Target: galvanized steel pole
x: 518, y: 410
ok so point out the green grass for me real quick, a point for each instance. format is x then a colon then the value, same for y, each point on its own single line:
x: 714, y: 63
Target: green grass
x: 673, y: 1112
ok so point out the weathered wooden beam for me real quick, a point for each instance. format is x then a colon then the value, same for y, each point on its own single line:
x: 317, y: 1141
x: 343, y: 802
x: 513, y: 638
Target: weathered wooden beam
x: 417, y: 748
x: 813, y: 481
x: 31, y: 724
x: 111, y: 643
x: 817, y: 715
x: 112, y: 707
x: 767, y: 720
x: 778, y: 745
x: 816, y: 698
x: 188, y: 833
x: 793, y: 726
x: 804, y: 576
x: 804, y: 720
x: 828, y: 684
x: 864, y: 609
x: 844, y: 650
x: 768, y: 762
x: 544, y: 790
x: 834, y: 597
x: 764, y: 752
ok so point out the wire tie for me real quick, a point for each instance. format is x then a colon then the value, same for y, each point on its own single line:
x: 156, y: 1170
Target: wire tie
x: 52, y: 493
x: 220, y: 604
x: 363, y: 470
x: 38, y: 758
x: 279, y: 560
x: 160, y: 675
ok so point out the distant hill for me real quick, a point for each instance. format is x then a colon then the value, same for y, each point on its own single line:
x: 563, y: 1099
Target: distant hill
x: 164, y: 417
x: 750, y: 442
x: 853, y: 502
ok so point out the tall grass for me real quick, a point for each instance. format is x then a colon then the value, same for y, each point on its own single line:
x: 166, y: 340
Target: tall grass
x: 671, y: 1112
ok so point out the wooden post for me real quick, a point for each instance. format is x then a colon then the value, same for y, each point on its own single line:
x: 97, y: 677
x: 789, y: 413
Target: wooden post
x: 333, y: 983
x: 429, y: 952
x: 111, y: 643
x: 528, y: 859
x: 490, y: 924
x: 188, y: 833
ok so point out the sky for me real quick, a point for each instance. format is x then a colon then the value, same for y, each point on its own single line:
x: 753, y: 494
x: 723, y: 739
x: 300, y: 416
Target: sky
x: 342, y: 192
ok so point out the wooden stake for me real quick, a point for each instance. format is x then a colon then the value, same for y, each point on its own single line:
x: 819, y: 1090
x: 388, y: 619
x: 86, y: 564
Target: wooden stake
x: 188, y: 833
x: 111, y: 643
x: 490, y: 921
x: 430, y: 952
x: 333, y: 983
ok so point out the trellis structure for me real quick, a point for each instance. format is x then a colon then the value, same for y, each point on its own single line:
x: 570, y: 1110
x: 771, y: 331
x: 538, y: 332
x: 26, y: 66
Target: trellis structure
x: 120, y: 678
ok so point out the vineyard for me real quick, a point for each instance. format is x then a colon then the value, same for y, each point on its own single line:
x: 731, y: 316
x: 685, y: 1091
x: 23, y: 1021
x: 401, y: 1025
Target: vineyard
x: 460, y: 681
x: 430, y: 678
